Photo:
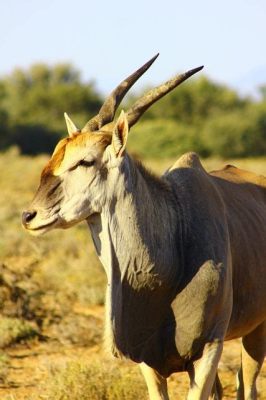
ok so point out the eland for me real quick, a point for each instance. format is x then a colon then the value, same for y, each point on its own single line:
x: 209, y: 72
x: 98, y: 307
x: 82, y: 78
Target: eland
x: 184, y: 254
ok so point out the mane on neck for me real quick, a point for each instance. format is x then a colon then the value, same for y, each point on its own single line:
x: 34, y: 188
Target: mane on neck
x: 155, y: 183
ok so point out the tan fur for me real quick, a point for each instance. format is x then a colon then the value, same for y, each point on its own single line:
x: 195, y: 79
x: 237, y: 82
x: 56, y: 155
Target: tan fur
x: 69, y: 146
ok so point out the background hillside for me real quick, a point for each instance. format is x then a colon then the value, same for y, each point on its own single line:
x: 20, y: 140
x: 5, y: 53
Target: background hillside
x: 200, y: 115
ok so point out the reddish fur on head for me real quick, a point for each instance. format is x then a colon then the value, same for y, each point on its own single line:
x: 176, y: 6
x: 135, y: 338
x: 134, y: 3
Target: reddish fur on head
x: 68, y: 144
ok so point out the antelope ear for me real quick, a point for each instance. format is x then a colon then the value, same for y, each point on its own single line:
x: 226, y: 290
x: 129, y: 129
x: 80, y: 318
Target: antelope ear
x: 120, y: 134
x: 71, y: 127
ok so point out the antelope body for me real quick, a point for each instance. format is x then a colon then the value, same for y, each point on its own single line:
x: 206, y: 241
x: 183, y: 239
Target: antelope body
x: 184, y: 254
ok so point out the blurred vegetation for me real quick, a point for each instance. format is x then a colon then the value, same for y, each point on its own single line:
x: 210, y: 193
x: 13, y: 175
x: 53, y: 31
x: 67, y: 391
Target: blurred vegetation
x: 4, y: 364
x: 14, y: 330
x: 32, y: 103
x: 97, y: 381
x: 43, y: 279
x: 200, y: 115
x: 205, y: 117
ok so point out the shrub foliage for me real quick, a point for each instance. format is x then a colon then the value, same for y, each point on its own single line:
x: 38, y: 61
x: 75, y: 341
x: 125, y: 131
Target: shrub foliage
x: 200, y: 115
x: 96, y: 381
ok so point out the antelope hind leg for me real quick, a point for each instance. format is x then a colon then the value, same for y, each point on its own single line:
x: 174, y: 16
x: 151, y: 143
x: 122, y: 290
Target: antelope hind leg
x: 157, y: 385
x: 252, y: 356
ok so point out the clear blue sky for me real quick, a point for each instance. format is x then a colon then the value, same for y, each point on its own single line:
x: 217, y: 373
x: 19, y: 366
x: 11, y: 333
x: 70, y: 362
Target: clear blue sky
x: 106, y: 40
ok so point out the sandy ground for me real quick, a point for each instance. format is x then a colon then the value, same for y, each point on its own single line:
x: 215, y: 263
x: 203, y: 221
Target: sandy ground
x: 31, y: 365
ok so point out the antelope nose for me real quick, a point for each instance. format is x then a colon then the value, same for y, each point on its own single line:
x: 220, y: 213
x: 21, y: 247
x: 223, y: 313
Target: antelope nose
x: 28, y: 216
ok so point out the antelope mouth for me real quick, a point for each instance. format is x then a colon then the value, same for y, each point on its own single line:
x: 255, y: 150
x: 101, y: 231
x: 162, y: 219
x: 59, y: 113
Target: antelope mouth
x: 44, y: 226
x: 41, y: 229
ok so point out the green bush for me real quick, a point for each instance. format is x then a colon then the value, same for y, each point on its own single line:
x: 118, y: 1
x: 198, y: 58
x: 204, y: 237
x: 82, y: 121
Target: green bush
x: 236, y: 134
x: 34, y: 139
x: 200, y: 115
x: 195, y: 101
x: 32, y: 103
x: 163, y: 139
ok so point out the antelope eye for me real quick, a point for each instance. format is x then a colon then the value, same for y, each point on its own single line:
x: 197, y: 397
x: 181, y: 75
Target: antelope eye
x: 82, y: 163
x: 85, y: 163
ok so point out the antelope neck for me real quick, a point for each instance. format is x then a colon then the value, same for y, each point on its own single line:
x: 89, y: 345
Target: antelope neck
x: 136, y: 236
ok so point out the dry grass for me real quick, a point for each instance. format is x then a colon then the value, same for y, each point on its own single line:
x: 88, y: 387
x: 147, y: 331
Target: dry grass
x: 42, y: 278
x: 96, y: 381
x: 4, y: 363
x: 13, y: 330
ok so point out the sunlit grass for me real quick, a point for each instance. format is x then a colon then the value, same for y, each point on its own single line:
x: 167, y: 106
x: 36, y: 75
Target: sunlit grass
x: 4, y: 363
x: 96, y: 381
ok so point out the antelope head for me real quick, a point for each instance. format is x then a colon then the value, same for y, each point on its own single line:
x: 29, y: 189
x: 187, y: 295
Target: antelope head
x: 81, y: 175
